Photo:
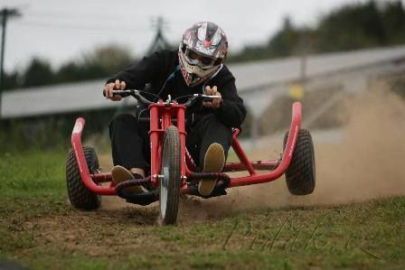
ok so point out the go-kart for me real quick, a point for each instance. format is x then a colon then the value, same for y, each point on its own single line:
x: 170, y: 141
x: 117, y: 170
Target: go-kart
x: 172, y: 169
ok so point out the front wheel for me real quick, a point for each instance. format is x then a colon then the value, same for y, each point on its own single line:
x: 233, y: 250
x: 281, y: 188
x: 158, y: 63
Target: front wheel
x: 170, y: 182
x: 300, y: 175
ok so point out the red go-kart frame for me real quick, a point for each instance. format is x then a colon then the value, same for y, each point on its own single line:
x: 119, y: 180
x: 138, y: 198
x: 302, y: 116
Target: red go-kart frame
x: 164, y: 114
x: 161, y: 111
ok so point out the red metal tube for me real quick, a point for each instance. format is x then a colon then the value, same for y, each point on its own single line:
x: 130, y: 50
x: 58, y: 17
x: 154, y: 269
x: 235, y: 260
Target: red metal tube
x: 182, y: 131
x: 81, y: 161
x: 258, y: 165
x: 101, y: 177
x: 154, y: 143
x: 166, y: 119
x: 287, y: 155
x: 190, y: 162
x: 241, y: 155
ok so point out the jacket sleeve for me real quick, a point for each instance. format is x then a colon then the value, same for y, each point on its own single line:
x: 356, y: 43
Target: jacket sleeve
x: 232, y: 111
x: 140, y: 73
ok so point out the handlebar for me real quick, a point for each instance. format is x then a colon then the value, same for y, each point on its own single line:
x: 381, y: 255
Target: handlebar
x: 132, y: 92
x: 139, y: 96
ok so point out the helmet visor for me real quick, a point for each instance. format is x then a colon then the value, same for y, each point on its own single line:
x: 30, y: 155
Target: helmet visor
x: 203, y: 61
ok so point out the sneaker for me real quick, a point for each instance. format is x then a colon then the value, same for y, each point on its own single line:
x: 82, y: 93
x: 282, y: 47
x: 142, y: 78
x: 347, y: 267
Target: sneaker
x: 214, y: 161
x: 121, y: 174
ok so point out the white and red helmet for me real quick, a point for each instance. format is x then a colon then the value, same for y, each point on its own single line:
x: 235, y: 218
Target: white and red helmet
x: 201, y: 52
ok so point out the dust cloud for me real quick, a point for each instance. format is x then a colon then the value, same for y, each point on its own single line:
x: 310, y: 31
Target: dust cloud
x: 366, y: 164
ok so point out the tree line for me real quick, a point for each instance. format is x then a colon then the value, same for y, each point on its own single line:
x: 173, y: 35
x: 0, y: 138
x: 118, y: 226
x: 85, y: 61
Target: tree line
x: 350, y: 27
x: 102, y: 62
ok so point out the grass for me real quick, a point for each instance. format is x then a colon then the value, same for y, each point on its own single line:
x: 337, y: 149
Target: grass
x: 32, y: 183
x: 39, y: 229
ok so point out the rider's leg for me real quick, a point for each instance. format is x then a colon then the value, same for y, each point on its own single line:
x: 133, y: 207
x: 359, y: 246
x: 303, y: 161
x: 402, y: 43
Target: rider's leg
x: 213, y: 140
x: 128, y: 140
x: 138, y: 171
x: 214, y: 131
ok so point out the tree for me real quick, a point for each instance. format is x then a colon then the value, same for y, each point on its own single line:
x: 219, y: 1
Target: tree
x: 39, y: 72
x: 393, y: 19
x: 70, y: 72
x: 99, y: 63
x: 106, y: 61
x: 284, y: 42
x: 350, y: 27
x: 11, y: 80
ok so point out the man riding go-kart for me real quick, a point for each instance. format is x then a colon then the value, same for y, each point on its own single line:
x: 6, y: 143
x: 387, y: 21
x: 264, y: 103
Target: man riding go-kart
x: 196, y: 67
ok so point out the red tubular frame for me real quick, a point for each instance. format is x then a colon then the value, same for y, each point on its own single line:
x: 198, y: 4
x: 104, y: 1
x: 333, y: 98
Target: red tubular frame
x: 166, y: 112
x: 154, y: 134
x: 161, y: 115
x: 285, y: 161
x: 87, y: 179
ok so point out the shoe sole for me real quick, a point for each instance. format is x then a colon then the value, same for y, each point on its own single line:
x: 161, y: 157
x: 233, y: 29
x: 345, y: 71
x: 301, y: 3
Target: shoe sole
x: 120, y: 174
x: 214, y: 161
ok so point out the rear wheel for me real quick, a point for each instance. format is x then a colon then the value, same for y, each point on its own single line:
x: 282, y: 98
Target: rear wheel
x: 79, y: 195
x: 170, y: 183
x: 300, y: 175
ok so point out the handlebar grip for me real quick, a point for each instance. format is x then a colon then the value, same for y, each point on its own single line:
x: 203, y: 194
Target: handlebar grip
x: 122, y: 93
x: 208, y: 98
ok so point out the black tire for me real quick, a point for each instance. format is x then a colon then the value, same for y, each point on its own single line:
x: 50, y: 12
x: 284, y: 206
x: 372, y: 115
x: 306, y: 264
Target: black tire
x: 169, y: 189
x: 300, y: 175
x: 79, y: 195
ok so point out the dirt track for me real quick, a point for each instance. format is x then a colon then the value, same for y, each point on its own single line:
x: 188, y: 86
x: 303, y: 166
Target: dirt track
x: 366, y: 165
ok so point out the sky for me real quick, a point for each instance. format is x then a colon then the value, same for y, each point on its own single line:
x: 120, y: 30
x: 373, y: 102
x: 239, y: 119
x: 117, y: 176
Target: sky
x: 60, y: 31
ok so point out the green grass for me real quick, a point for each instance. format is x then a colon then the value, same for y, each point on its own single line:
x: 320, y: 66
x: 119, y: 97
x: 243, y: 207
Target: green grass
x: 39, y: 229
x: 32, y: 174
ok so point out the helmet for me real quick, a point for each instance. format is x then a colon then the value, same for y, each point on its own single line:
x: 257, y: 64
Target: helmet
x: 201, y: 52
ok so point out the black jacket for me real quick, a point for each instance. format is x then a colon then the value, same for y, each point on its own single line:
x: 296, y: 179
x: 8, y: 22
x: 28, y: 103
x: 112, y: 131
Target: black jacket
x: 156, y: 70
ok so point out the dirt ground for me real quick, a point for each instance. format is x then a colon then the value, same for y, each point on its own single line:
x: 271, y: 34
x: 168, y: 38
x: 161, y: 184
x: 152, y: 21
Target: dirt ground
x: 365, y: 165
